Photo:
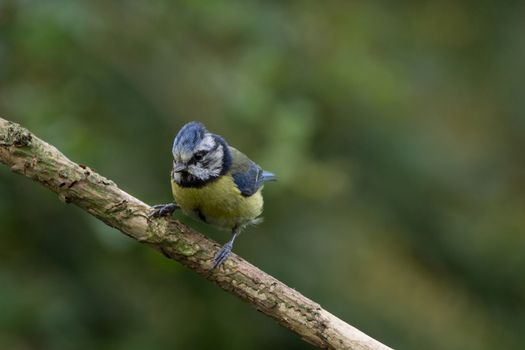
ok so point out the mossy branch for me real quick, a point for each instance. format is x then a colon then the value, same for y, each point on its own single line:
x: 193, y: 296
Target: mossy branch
x: 26, y: 154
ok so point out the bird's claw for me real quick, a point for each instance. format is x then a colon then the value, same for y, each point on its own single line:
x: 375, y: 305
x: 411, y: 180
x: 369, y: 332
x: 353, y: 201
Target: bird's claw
x: 222, y: 255
x: 161, y: 210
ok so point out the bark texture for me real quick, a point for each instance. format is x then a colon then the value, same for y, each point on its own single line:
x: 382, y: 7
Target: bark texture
x: 26, y: 154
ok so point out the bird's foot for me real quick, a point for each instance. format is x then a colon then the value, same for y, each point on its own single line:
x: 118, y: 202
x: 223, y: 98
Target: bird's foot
x: 222, y: 254
x: 160, y: 210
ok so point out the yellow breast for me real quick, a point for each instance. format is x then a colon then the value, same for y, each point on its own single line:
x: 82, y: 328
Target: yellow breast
x: 219, y: 203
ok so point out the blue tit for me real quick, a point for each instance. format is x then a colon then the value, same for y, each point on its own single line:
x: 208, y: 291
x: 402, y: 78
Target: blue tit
x: 214, y: 183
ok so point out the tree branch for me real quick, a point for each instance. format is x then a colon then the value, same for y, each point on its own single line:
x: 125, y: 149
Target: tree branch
x: 26, y: 154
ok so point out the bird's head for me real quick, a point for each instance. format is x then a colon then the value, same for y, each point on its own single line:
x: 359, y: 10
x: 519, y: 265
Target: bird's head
x: 199, y: 156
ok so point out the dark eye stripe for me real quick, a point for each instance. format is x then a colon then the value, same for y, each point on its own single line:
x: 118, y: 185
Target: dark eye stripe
x: 197, y: 157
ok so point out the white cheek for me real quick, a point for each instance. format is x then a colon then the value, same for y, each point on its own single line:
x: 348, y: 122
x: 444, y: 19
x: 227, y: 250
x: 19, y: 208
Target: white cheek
x: 215, y: 164
x: 176, y: 177
x: 213, y: 168
x: 199, y: 172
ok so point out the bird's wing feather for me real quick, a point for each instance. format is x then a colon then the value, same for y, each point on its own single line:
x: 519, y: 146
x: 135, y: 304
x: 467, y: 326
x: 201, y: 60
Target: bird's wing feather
x: 247, y: 175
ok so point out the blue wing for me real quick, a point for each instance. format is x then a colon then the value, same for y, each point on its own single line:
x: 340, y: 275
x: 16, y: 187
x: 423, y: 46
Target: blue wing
x: 249, y: 181
x: 247, y: 175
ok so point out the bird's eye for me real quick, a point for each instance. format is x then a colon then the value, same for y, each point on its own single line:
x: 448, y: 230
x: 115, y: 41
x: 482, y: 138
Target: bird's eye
x: 199, y: 155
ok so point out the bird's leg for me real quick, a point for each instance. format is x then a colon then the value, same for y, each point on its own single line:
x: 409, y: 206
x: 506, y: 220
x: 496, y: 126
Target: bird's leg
x: 226, y: 249
x: 163, y: 210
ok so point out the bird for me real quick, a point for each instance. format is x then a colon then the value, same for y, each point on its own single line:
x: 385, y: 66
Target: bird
x: 215, y: 183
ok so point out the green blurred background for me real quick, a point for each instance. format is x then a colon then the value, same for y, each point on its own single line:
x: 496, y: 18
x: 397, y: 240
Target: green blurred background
x: 397, y: 130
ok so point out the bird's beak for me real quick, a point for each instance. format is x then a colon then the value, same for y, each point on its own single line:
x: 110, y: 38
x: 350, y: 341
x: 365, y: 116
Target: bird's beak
x: 178, y: 167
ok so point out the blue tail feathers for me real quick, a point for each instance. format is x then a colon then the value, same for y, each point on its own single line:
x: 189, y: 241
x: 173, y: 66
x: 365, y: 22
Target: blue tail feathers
x: 268, y: 176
